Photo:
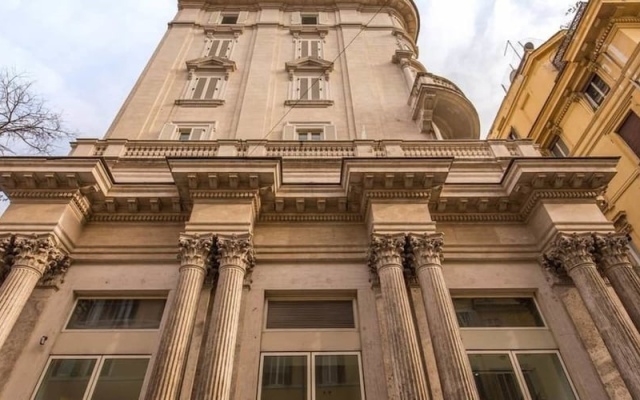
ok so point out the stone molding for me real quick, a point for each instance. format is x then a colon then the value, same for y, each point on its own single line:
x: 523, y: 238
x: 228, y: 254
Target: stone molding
x: 385, y: 251
x: 39, y: 252
x: 570, y: 251
x: 194, y: 250
x: 612, y: 250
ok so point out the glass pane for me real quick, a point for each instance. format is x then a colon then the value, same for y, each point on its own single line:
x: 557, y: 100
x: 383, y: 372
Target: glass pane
x: 545, y: 376
x: 120, y: 378
x: 284, y: 378
x: 337, y: 377
x: 495, y: 377
x: 496, y: 312
x: 66, y: 379
x: 117, y: 314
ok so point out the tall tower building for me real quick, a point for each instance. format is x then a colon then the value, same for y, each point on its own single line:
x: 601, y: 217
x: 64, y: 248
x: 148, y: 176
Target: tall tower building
x: 266, y: 219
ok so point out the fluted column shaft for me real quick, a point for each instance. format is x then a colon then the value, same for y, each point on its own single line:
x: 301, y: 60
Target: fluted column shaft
x: 235, y: 258
x: 386, y: 259
x: 168, y: 369
x: 33, y: 257
x: 614, y: 260
x: 575, y: 255
x: 454, y: 369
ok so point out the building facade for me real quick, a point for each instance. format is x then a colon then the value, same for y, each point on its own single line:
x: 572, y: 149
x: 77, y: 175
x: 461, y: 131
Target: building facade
x: 578, y: 95
x: 290, y: 206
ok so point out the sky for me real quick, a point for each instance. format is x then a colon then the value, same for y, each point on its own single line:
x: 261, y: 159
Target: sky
x: 85, y: 56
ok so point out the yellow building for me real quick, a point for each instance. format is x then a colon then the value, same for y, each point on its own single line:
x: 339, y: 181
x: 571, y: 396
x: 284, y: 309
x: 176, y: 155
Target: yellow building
x: 578, y: 95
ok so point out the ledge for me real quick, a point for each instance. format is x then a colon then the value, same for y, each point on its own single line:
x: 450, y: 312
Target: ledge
x: 309, y: 103
x: 199, y: 103
x: 236, y: 29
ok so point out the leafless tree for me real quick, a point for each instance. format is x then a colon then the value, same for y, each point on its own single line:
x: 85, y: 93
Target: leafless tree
x: 27, y: 124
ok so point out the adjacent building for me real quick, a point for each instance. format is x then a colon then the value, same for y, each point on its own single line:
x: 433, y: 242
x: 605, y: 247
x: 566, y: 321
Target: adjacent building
x: 290, y: 206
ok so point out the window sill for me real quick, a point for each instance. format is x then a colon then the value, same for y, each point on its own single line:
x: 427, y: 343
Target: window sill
x: 200, y: 103
x: 235, y: 29
x: 309, y: 103
x: 309, y: 29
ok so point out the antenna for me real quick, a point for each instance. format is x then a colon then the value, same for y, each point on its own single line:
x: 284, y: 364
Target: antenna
x: 512, y: 48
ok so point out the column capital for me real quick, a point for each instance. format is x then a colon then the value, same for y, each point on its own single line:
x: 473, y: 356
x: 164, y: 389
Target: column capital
x: 385, y: 250
x: 569, y: 251
x: 611, y: 250
x: 41, y: 253
x: 194, y: 250
x: 6, y: 242
x: 426, y: 249
x: 235, y: 251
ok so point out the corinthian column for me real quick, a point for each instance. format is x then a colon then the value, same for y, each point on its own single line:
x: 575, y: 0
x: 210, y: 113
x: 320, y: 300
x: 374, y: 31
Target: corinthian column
x: 386, y: 256
x: 453, y: 365
x: 574, y: 254
x: 235, y: 258
x: 168, y: 369
x: 614, y: 261
x: 35, y: 258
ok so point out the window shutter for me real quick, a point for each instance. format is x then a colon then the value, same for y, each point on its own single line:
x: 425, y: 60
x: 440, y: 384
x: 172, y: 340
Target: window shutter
x: 323, y: 18
x: 288, y: 132
x: 168, y: 131
x: 316, y: 89
x: 325, y: 314
x: 207, y: 134
x: 629, y: 131
x: 215, y: 17
x: 225, y: 48
x: 303, y: 88
x: 197, y: 134
x: 316, y: 48
x: 330, y: 132
x: 296, y: 18
x: 242, y: 16
x: 304, y: 48
x: 213, y: 47
x: 198, y: 88
x: 212, y: 88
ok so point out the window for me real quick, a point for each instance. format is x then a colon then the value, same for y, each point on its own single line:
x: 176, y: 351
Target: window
x: 558, y: 148
x: 310, y: 314
x: 229, y: 19
x: 219, y: 47
x: 309, y: 135
x: 206, y: 88
x: 310, y: 88
x: 309, y: 48
x: 311, y: 376
x: 191, y: 133
x: 491, y: 312
x: 509, y: 375
x: 309, y: 19
x: 629, y: 131
x: 117, y: 314
x: 596, y: 91
x: 309, y: 131
x: 513, y: 134
x: 92, y: 378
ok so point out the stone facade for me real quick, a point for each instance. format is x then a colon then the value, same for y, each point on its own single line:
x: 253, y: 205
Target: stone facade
x: 340, y: 233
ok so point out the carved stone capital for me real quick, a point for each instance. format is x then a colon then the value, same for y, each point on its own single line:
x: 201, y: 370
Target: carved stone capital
x: 570, y: 251
x: 386, y: 250
x: 612, y: 249
x: 426, y: 249
x: 40, y: 253
x: 194, y: 250
x: 235, y: 251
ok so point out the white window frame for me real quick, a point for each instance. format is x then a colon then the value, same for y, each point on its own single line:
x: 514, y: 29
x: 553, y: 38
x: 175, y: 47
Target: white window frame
x: 311, y: 370
x: 591, y: 84
x: 93, y: 380
x: 512, y: 354
x: 298, y: 93
x: 309, y: 44
x: 75, y: 304
x: 354, y: 306
x: 209, y: 42
x: 218, y: 91
x: 507, y: 296
x: 291, y: 128
x: 203, y: 134
x: 558, y: 145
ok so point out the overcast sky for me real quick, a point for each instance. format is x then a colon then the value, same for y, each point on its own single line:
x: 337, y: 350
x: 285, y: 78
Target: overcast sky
x: 86, y: 55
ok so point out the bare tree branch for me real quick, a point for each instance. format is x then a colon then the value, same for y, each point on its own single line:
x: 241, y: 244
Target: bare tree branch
x: 25, y: 120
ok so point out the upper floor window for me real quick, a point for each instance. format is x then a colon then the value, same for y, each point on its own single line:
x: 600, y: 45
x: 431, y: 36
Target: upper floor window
x: 206, y: 88
x: 309, y: 48
x: 188, y: 131
x: 491, y: 312
x: 309, y: 131
x: 309, y: 19
x: 629, y: 131
x: 220, y: 47
x: 596, y: 90
x: 229, y: 19
x: 558, y: 148
x: 513, y: 134
x: 117, y: 314
x: 310, y: 314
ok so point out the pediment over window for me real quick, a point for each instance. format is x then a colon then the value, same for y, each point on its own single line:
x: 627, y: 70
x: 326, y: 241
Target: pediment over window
x: 211, y: 64
x: 309, y: 64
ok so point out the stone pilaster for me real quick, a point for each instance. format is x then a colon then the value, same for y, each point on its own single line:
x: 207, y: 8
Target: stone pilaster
x: 614, y: 260
x: 234, y: 256
x: 386, y: 256
x: 455, y: 373
x: 574, y: 254
x: 168, y: 369
x: 35, y: 258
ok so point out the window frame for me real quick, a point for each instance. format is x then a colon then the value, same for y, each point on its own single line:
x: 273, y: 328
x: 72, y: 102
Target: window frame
x: 208, y: 44
x: 218, y: 91
x: 633, y: 154
x: 591, y: 84
x: 95, y: 374
x: 512, y: 354
x: 544, y: 326
x: 311, y: 371
x: 561, y: 145
x: 354, y: 306
x: 309, y: 15
x: 309, y: 42
x: 226, y: 15
x: 75, y: 303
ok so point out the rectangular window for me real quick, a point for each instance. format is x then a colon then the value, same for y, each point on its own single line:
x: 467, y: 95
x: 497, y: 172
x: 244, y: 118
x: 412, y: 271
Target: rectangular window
x: 513, y: 134
x: 509, y: 375
x: 309, y: 48
x: 191, y: 133
x: 206, y: 88
x: 219, y: 48
x: 629, y: 131
x: 311, y: 376
x: 310, y: 88
x: 309, y: 134
x: 310, y: 314
x: 93, y: 378
x: 117, y: 314
x: 558, y: 148
x: 229, y: 19
x: 309, y: 19
x: 492, y: 312
x: 596, y: 90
